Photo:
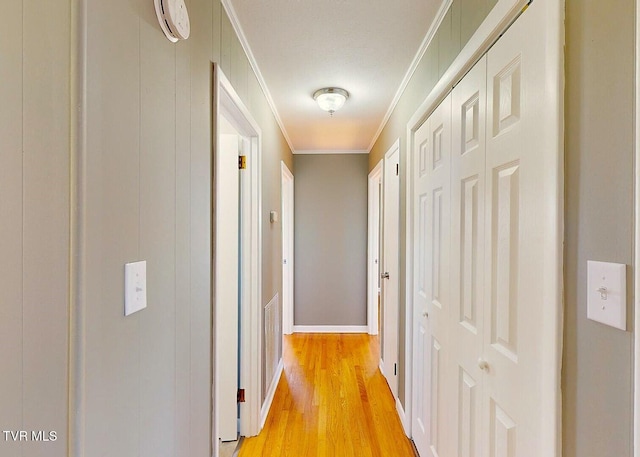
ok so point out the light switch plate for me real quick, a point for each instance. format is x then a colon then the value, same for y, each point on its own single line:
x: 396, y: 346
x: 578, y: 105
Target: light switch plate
x: 135, y: 287
x: 607, y: 293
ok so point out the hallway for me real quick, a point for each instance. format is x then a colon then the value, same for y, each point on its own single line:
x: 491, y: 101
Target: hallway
x: 331, y: 400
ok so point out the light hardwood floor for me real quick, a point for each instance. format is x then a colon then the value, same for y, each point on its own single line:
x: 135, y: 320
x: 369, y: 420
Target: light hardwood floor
x: 331, y: 401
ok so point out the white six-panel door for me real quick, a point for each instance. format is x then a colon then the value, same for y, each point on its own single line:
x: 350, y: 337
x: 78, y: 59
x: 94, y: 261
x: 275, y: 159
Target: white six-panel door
x: 487, y: 245
x: 467, y: 254
x: 521, y: 205
x: 432, y: 299
x: 421, y: 417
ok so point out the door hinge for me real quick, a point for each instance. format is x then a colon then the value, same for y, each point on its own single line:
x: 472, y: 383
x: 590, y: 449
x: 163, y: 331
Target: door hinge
x: 397, y: 169
x: 242, y: 162
x: 395, y: 369
x: 241, y: 396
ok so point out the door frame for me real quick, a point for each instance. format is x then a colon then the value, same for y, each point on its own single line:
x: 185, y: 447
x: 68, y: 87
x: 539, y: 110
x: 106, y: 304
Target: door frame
x: 227, y: 103
x: 288, y: 219
x: 503, y: 14
x: 373, y: 247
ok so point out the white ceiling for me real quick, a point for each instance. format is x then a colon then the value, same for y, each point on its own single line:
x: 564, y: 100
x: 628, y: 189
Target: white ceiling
x: 367, y: 47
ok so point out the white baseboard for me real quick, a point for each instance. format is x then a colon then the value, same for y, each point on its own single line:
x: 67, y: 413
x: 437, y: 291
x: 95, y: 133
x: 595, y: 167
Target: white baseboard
x: 330, y: 329
x: 403, y: 416
x: 266, y: 406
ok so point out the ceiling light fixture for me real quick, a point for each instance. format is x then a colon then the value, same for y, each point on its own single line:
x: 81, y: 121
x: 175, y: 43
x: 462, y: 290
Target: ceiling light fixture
x: 331, y: 98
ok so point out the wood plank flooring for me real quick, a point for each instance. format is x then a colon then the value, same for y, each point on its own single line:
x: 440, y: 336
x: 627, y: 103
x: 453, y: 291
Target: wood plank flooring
x: 331, y: 401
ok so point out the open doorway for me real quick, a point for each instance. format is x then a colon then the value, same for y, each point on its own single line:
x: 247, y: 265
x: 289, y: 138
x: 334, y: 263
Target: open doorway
x: 236, y: 262
x: 228, y: 273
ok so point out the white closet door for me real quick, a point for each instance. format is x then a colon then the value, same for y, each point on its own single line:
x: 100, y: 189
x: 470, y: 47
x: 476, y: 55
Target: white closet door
x: 432, y: 151
x: 467, y: 258
x: 421, y: 410
x: 522, y: 232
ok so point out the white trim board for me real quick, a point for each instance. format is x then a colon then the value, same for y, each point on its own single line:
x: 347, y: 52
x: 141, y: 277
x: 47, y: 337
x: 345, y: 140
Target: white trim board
x: 373, y: 246
x: 266, y: 406
x: 330, y: 329
x: 497, y: 21
x: 442, y: 12
x: 403, y: 416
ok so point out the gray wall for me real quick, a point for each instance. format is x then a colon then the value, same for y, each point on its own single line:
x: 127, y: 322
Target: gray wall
x: 146, y: 187
x: 330, y: 239
x: 141, y: 384
x: 459, y: 24
x: 34, y: 222
x: 597, y: 378
x: 147, y: 377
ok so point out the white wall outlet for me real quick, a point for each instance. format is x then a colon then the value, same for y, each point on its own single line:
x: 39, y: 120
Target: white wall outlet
x: 135, y: 287
x: 607, y: 293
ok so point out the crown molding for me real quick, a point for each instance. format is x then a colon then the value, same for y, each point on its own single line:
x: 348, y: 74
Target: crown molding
x: 442, y: 12
x: 235, y: 23
x: 330, y: 151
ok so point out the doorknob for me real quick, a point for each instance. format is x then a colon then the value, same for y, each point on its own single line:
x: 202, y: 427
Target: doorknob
x: 425, y: 314
x: 483, y: 364
x: 385, y: 275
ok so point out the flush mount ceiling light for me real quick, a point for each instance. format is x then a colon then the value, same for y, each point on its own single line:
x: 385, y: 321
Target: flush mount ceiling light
x: 173, y: 18
x: 331, y: 98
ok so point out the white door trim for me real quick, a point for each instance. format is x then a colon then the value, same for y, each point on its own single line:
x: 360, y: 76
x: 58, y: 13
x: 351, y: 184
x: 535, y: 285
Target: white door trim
x: 227, y: 102
x: 287, y: 221
x: 373, y: 248
x: 497, y: 21
x: 636, y: 327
